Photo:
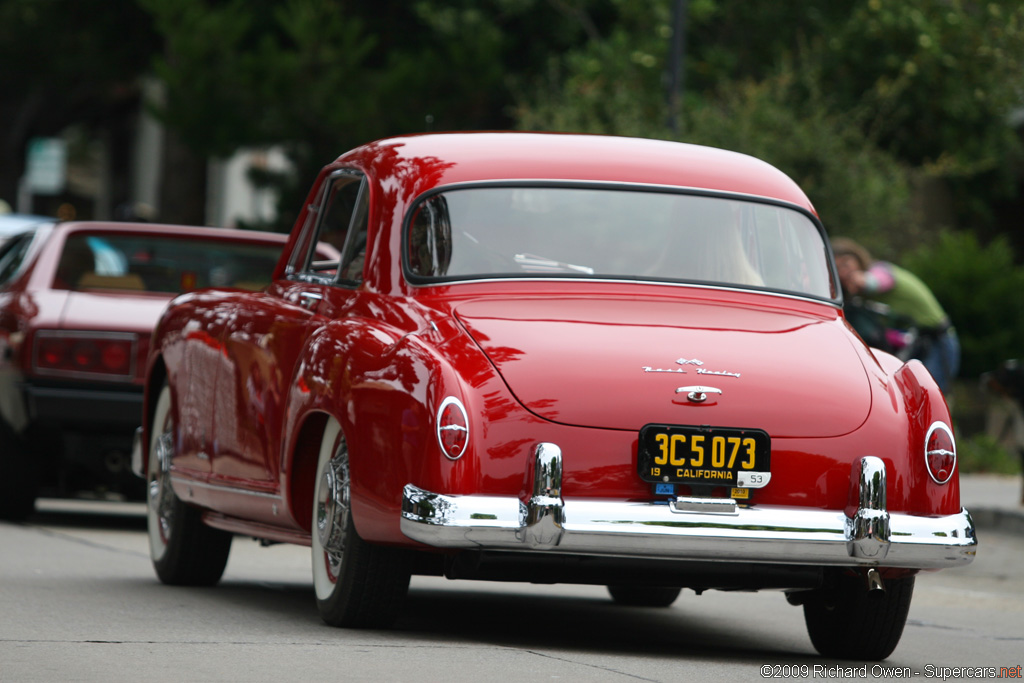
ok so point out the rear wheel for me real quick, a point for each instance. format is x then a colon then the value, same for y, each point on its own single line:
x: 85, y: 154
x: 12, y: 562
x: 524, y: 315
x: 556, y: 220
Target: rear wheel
x: 848, y: 622
x: 185, y: 552
x: 357, y: 584
x: 644, y: 596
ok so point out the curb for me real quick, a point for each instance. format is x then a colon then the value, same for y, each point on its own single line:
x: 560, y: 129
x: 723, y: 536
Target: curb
x: 1006, y: 521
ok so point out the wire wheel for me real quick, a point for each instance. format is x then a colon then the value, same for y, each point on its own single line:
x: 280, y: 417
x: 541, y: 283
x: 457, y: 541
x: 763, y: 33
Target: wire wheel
x: 184, y: 551
x: 357, y: 584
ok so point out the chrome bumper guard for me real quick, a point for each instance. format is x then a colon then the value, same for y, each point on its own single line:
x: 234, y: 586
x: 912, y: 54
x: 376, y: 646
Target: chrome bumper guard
x: 691, y: 528
x: 137, y: 454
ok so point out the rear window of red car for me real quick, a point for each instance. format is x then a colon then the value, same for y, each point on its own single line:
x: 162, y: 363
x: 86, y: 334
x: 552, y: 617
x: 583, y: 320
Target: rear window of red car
x: 601, y: 232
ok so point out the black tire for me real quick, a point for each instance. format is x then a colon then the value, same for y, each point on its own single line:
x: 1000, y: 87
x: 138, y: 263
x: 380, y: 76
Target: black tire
x: 846, y: 622
x: 357, y: 584
x: 185, y: 552
x: 19, y: 478
x: 644, y: 596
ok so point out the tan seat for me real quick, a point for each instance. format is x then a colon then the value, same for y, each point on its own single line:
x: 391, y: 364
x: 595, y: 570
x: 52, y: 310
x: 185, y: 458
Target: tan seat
x: 93, y: 281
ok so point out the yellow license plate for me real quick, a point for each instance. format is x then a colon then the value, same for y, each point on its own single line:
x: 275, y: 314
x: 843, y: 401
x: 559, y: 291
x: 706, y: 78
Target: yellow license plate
x: 717, y: 456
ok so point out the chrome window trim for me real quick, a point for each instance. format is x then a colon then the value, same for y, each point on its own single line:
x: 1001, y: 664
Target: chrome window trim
x: 316, y: 213
x: 834, y: 303
x: 344, y: 260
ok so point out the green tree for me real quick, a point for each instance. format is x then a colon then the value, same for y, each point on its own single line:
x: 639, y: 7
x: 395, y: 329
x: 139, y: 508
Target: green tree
x: 905, y: 91
x: 258, y: 72
x: 933, y: 82
x: 858, y: 189
x: 320, y: 76
x: 979, y: 286
x: 612, y: 86
x: 68, y: 62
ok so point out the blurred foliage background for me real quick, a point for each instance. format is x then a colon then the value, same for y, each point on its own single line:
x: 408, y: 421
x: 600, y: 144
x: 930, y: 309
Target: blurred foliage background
x: 900, y: 118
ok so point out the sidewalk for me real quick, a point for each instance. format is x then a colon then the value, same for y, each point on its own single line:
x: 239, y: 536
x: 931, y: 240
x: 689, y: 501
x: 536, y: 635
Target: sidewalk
x: 994, y: 501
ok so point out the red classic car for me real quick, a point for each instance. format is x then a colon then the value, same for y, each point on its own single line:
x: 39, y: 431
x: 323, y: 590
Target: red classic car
x: 553, y: 358
x: 78, y: 302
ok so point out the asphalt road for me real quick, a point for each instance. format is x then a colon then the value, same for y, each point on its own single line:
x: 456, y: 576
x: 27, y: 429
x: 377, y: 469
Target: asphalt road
x: 79, y: 602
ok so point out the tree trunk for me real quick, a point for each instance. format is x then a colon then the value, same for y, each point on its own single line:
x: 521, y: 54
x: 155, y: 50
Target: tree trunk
x: 183, y: 183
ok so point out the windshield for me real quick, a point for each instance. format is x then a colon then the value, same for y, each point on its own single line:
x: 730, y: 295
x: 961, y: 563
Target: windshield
x: 489, y: 232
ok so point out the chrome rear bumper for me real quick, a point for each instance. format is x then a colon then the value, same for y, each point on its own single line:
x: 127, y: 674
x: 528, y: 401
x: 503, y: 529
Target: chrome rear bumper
x: 691, y: 528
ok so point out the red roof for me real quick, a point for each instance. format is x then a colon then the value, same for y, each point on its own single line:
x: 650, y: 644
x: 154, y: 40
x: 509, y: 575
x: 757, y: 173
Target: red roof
x: 422, y: 162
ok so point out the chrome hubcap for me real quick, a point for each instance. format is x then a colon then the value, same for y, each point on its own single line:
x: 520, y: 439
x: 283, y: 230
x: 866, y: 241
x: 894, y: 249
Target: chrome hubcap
x: 161, y: 497
x: 332, y: 510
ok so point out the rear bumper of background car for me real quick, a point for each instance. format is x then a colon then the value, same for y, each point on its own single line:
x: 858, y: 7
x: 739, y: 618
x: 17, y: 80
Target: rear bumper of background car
x: 691, y: 529
x: 93, y: 407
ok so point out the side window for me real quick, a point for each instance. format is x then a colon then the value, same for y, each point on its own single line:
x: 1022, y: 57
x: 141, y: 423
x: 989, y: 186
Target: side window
x: 354, y: 254
x: 12, y: 255
x: 300, y: 254
x: 430, y: 242
x: 341, y: 225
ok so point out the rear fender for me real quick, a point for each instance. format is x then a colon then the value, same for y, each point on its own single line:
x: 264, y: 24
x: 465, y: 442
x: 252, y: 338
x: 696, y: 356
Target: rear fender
x: 920, y: 402
x: 379, y: 385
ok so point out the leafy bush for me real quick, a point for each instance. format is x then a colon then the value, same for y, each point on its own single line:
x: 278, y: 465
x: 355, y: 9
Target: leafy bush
x: 981, y: 454
x: 980, y: 288
x: 859, y: 190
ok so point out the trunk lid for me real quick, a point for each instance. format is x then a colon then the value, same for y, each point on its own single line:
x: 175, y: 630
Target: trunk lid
x: 617, y: 364
x: 113, y: 311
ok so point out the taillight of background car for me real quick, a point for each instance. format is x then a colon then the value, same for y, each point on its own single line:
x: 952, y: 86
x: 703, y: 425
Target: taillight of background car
x: 86, y: 355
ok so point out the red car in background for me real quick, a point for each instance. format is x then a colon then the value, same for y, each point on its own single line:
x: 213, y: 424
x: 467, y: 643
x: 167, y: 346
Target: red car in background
x: 554, y: 358
x: 78, y: 302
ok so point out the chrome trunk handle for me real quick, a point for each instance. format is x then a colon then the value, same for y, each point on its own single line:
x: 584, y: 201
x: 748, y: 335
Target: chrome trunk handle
x: 698, y: 394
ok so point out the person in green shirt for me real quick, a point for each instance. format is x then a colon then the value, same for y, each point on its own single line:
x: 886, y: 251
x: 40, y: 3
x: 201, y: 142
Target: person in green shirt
x: 906, y: 297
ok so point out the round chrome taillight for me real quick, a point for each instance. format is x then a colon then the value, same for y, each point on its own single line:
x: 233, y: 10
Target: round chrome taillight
x: 940, y: 452
x: 452, y: 428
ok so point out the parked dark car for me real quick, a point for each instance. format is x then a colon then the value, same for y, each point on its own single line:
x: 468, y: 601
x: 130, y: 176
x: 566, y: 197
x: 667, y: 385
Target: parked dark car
x: 78, y: 302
